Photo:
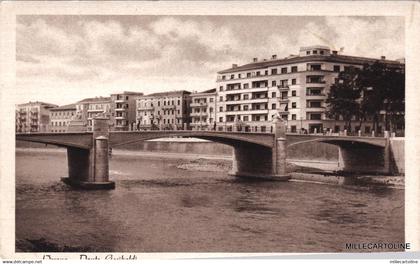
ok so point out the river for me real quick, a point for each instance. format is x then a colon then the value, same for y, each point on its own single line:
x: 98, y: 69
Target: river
x: 158, y: 207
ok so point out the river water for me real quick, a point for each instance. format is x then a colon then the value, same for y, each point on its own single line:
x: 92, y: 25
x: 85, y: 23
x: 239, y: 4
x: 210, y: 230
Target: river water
x: 157, y: 207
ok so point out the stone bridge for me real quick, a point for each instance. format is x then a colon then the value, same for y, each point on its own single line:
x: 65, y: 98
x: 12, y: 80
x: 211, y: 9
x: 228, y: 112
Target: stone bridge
x: 258, y: 155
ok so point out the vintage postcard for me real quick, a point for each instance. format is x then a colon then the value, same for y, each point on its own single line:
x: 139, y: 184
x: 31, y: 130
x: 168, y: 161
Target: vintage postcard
x: 198, y: 129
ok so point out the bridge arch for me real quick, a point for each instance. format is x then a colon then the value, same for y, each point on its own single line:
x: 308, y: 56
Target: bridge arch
x: 68, y: 140
x: 359, y: 142
x: 231, y: 139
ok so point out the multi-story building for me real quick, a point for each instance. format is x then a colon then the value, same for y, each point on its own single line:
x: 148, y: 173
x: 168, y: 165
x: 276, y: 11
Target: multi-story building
x: 123, y: 110
x: 60, y: 118
x: 294, y: 87
x: 89, y: 108
x: 167, y: 110
x: 203, y: 110
x: 33, y: 117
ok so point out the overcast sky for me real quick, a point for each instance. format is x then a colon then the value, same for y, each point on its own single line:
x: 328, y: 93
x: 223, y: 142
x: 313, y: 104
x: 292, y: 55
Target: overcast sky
x: 63, y: 59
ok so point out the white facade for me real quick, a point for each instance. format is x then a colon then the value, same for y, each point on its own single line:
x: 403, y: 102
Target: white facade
x: 203, y: 110
x: 295, y: 87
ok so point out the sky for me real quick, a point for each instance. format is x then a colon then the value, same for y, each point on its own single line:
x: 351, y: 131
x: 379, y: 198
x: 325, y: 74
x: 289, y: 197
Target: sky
x: 63, y: 59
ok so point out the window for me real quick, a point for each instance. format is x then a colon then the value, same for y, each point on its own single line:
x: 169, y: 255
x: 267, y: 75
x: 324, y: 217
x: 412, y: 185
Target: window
x: 337, y: 68
x: 245, y: 118
x: 293, y: 129
x: 293, y: 81
x: 211, y: 99
x: 294, y: 69
x: 321, y: 52
x: 221, y: 109
x: 246, y: 85
x: 246, y: 107
x: 246, y: 96
x: 221, y: 98
x: 315, y: 117
x: 293, y: 117
x: 283, y: 70
x: 239, y: 75
x: 273, y: 95
x: 314, y: 104
x: 265, y: 72
x: 273, y: 106
x: 223, y: 77
x: 248, y: 74
x: 258, y: 73
x: 273, y: 83
x: 273, y: 71
x: 314, y: 52
x: 308, y: 52
x: 232, y: 76
x: 179, y: 102
x: 294, y: 105
x: 294, y: 93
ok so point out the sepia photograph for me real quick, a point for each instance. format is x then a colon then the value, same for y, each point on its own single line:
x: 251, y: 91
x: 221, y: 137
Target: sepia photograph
x: 209, y: 133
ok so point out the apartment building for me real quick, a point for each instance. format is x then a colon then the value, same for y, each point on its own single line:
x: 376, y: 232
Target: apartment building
x: 33, y: 117
x: 294, y: 87
x: 203, y: 110
x: 60, y: 118
x: 167, y: 110
x: 89, y: 108
x: 123, y: 110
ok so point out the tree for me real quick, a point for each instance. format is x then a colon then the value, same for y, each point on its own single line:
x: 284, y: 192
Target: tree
x: 382, y: 86
x: 343, y: 97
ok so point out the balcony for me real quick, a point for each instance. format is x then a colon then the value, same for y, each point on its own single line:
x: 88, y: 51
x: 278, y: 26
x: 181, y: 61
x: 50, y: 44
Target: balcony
x: 145, y: 108
x: 120, y: 100
x: 120, y: 117
x: 315, y: 96
x: 168, y: 107
x: 199, y: 114
x: 120, y: 109
x: 245, y: 112
x: 95, y: 110
x: 283, y: 87
x: 315, y: 109
x: 198, y: 104
x: 283, y: 99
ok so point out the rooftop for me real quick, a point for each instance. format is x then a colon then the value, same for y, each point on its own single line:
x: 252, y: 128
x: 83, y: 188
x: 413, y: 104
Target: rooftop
x: 339, y: 58
x: 128, y: 93
x: 172, y: 93
x: 64, y: 107
x: 95, y: 100
x: 37, y: 103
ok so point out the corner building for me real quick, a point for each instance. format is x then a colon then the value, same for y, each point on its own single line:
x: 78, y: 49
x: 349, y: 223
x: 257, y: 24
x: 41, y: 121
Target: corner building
x: 33, y: 117
x: 203, y: 110
x: 123, y: 110
x: 294, y: 87
x: 166, y: 110
x: 60, y: 118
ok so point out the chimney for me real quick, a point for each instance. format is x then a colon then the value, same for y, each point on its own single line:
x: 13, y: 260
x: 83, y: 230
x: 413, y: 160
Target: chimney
x: 234, y: 65
x: 383, y: 57
x: 274, y: 57
x: 255, y: 59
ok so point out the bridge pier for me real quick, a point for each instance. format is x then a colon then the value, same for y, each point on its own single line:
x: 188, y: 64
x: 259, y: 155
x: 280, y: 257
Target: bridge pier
x: 89, y: 169
x: 259, y: 162
x: 366, y: 159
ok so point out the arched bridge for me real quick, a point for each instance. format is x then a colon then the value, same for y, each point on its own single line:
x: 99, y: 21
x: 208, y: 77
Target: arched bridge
x: 261, y: 155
